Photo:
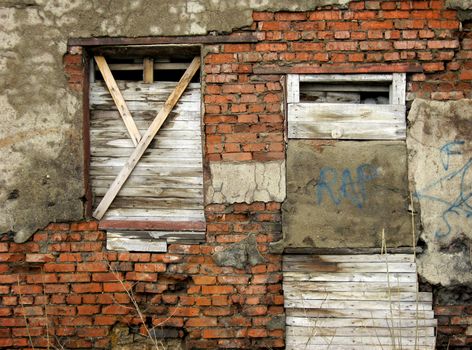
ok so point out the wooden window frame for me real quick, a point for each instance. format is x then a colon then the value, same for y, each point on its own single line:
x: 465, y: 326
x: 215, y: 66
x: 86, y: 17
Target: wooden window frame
x: 379, y: 121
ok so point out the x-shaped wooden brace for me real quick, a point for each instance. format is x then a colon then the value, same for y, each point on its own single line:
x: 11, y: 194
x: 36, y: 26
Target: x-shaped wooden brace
x: 141, y: 143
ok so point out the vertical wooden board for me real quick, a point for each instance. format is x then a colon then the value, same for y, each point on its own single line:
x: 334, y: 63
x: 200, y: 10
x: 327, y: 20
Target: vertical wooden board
x: 293, y: 88
x: 148, y: 70
x: 398, y: 89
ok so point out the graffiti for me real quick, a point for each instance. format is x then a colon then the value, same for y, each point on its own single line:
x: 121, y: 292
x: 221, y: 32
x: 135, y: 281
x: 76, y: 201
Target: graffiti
x: 350, y: 189
x: 457, y: 203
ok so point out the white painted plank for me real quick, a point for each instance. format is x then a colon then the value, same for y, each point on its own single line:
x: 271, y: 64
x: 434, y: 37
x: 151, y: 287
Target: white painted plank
x: 359, y: 313
x: 360, y: 258
x: 398, y: 89
x: 293, y: 88
x: 359, y: 322
x: 356, y: 347
x: 357, y: 304
x: 397, y: 340
x: 336, y: 78
x: 348, y: 267
x: 350, y: 277
x: 154, y: 192
x: 381, y: 296
x: 185, y: 214
x: 346, y: 121
x: 348, y: 286
x: 137, y: 245
x: 359, y: 331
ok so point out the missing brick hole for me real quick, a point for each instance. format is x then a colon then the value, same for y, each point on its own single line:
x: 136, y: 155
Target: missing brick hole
x: 454, y: 295
x: 13, y: 194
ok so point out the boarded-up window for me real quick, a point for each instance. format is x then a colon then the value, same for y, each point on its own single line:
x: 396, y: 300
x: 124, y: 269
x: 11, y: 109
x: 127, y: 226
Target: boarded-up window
x: 162, y: 196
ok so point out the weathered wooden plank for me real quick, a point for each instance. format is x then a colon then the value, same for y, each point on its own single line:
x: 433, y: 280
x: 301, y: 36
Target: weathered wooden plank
x: 118, y: 99
x: 144, y: 181
x: 348, y: 267
x: 357, y: 304
x: 331, y: 78
x: 348, y: 286
x: 108, y: 118
x: 346, y: 121
x: 135, y: 106
x: 168, y: 236
x: 350, y: 277
x: 293, y: 88
x: 148, y: 70
x: 157, y: 203
x: 154, y: 192
x: 359, y: 258
x: 157, y: 66
x: 167, y: 143
x: 350, y: 251
x: 152, y: 225
x: 343, y: 87
x: 381, y: 296
x: 165, y: 214
x: 359, y: 331
x: 359, y: 322
x: 150, y: 153
x: 136, y: 245
x: 359, y: 313
x: 148, y: 161
x: 398, y: 89
x: 139, y: 91
x: 355, y: 347
x: 398, y: 340
x: 143, y: 170
x: 104, y: 134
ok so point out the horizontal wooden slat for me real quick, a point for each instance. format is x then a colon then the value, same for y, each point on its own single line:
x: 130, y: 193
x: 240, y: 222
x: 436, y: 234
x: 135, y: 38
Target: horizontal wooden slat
x: 356, y: 347
x: 359, y: 258
x: 170, y: 171
x: 380, y: 296
x: 359, y: 331
x: 159, y: 142
x: 357, y: 304
x: 139, y: 91
x: 164, y: 214
x: 349, y: 267
x: 144, y: 181
x: 330, y: 78
x: 148, y: 106
x: 150, y: 153
x: 192, y: 237
x: 152, y: 225
x: 359, y: 322
x: 342, y: 87
x: 346, y: 121
x: 136, y: 245
x: 350, y: 277
x: 359, y: 313
x: 107, y: 118
x: 151, y: 162
x: 398, y: 341
x: 139, y: 66
x: 154, y: 192
x: 348, y: 286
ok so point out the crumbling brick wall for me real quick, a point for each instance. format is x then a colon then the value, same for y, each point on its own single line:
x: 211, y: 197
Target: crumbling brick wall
x: 61, y: 279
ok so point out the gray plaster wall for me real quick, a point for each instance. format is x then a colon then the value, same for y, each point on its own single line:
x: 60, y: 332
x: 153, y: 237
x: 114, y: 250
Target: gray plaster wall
x: 440, y: 169
x: 40, y: 126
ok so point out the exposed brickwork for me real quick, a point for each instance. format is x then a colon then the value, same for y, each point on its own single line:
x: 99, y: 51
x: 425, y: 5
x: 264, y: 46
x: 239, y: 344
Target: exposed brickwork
x: 62, y: 279
x: 454, y: 326
x: 66, y: 280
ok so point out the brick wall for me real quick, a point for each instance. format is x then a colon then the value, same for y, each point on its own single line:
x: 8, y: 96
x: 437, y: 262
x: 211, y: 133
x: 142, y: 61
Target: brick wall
x: 65, y: 282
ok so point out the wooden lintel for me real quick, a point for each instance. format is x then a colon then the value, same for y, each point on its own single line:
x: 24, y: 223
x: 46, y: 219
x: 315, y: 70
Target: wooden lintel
x: 337, y: 69
x: 152, y: 225
x: 199, y: 39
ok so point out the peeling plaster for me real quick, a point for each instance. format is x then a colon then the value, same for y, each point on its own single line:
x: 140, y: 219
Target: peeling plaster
x: 440, y: 170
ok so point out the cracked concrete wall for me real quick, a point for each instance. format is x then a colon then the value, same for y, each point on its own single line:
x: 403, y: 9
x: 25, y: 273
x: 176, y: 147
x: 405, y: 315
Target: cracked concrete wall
x: 440, y: 167
x: 40, y: 131
x: 246, y: 182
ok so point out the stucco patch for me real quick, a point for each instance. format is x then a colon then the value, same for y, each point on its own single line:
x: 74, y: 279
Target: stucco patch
x: 246, y: 182
x: 440, y: 167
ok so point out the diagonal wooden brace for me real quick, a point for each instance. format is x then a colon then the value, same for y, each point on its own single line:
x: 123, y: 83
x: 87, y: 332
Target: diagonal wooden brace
x: 119, y: 100
x: 146, y: 139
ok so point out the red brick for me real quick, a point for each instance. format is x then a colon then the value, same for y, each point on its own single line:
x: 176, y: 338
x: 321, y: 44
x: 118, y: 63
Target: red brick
x: 218, y: 333
x: 91, y: 332
x: 115, y: 310
x: 101, y: 320
x: 87, y: 288
x: 88, y: 309
x: 74, y: 277
x: 39, y: 258
x: 184, y: 311
x: 204, y: 279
